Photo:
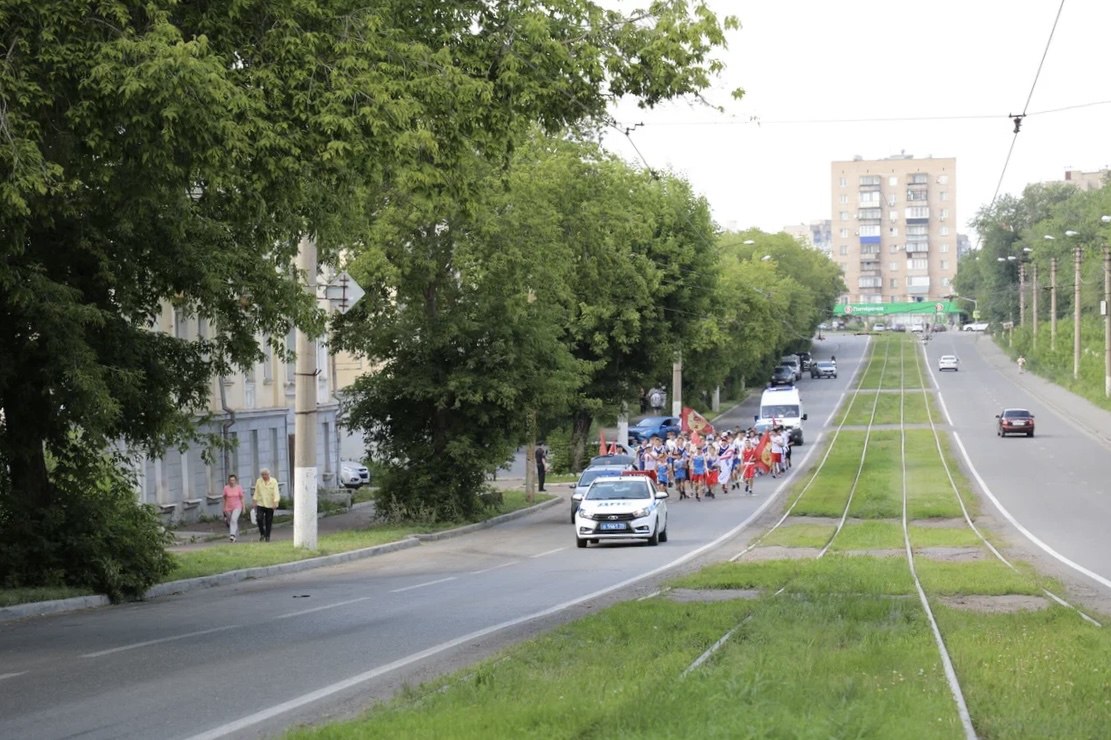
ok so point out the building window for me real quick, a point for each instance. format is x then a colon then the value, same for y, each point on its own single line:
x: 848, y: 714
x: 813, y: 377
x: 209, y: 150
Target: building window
x: 267, y: 361
x: 893, y: 215
x: 918, y: 281
x: 944, y: 213
x: 844, y: 249
x: 942, y: 179
x: 919, y: 178
x: 870, y: 214
x: 893, y: 231
x: 290, y: 365
x: 844, y: 198
x: 869, y: 248
x: 869, y: 229
x: 945, y: 195
x: 944, y: 247
x: 945, y: 264
x: 892, y: 267
x: 844, y: 233
x: 870, y: 180
x: 844, y: 182
x: 918, y: 212
x: 179, y: 323
x: 945, y: 231
x: 893, y: 283
x: 893, y: 180
x: 894, y: 248
x: 945, y: 282
x: 871, y: 197
x: 918, y: 264
x: 844, y: 215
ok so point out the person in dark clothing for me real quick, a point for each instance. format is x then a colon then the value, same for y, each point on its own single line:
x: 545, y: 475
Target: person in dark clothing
x: 541, y: 465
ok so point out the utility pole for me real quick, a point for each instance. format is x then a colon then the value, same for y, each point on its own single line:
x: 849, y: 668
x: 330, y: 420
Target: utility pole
x: 1076, y: 317
x: 1034, y: 300
x: 304, y: 414
x: 677, y: 385
x: 1022, y: 293
x: 1107, y: 321
x: 1053, y: 303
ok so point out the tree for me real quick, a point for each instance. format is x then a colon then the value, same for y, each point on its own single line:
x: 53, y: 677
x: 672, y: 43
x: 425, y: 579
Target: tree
x: 161, y: 151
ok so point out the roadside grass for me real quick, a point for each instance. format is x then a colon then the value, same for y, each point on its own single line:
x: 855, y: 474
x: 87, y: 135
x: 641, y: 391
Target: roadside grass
x: 826, y: 494
x: 888, y: 535
x: 1031, y: 674
x: 930, y: 493
x: 13, y: 596
x: 886, y: 407
x: 225, y: 557
x: 987, y: 577
x: 879, y: 491
x: 799, y: 535
x: 915, y: 410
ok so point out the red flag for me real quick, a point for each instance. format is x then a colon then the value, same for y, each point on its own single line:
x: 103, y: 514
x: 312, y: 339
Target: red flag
x: 601, y: 442
x: 692, y: 421
x: 764, y: 453
x: 613, y: 448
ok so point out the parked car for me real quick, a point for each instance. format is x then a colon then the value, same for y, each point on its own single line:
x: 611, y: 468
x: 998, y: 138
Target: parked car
x: 629, y: 507
x: 823, y: 369
x: 948, y: 362
x: 588, y: 476
x: 879, y: 326
x: 654, y: 426
x: 940, y: 327
x: 353, y: 474
x: 782, y: 375
x: 976, y: 326
x: 918, y: 328
x: 1014, y: 421
x: 805, y: 358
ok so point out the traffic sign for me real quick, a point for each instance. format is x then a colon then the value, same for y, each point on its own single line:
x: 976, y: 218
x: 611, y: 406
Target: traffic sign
x: 342, y: 292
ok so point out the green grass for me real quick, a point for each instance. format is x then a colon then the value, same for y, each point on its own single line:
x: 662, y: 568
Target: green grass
x: 879, y: 493
x: 13, y: 596
x: 799, y: 535
x: 826, y: 494
x: 223, y: 558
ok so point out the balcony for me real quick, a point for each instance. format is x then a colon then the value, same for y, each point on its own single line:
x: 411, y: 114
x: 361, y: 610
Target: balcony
x: 918, y: 289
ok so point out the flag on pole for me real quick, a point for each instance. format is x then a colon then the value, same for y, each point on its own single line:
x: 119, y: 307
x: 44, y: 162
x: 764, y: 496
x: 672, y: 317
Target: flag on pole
x: 694, y: 422
x: 764, y: 453
x: 601, y: 442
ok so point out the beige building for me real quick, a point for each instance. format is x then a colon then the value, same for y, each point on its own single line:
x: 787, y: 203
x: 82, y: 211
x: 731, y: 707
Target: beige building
x: 894, y: 228
x: 1086, y: 180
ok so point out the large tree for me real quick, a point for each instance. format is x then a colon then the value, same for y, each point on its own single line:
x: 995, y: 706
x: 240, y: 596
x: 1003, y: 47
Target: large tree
x: 158, y: 150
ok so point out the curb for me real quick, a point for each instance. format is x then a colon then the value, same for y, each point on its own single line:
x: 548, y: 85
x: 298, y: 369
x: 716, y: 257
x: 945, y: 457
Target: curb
x: 58, y: 606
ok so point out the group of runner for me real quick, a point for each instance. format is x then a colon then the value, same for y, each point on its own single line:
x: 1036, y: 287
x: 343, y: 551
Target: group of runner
x: 704, y: 466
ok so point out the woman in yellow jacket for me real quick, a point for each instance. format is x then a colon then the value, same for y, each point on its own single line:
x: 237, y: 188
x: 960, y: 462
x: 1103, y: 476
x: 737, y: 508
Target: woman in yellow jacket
x: 266, y: 499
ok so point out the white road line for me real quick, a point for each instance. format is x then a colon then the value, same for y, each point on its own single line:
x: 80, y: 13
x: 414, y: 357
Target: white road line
x: 322, y: 608
x: 1026, y: 532
x: 496, y: 567
x: 137, y: 645
x: 549, y: 552
x: 422, y: 585
x: 323, y: 693
x: 10, y: 675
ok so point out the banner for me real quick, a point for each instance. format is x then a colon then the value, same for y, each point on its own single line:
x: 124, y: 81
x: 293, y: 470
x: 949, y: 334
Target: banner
x: 694, y: 422
x: 601, y: 443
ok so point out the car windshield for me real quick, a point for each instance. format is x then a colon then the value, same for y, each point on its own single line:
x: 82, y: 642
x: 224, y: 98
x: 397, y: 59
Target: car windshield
x: 651, y: 422
x: 825, y: 364
x: 1015, y: 414
x: 948, y: 358
x: 588, y: 475
x: 778, y: 410
x: 618, y: 459
x: 610, y: 490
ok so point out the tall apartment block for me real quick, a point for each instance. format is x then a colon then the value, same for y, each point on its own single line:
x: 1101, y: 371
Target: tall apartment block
x: 895, y: 228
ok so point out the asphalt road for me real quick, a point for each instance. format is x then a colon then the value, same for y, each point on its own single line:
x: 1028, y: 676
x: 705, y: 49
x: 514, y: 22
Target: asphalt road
x: 249, y: 660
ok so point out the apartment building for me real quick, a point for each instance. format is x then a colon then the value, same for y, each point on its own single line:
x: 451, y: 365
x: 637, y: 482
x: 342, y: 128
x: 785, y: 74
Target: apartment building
x: 253, y: 410
x: 894, y: 228
x: 816, y: 234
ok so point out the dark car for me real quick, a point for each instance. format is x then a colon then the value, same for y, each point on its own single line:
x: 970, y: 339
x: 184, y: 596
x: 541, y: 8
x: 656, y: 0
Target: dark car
x: 782, y: 375
x: 1014, y: 421
x: 823, y: 369
x: 654, y: 426
x: 806, y: 359
x: 617, y: 458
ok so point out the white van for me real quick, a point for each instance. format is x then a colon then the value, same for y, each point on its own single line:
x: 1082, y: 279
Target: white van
x: 782, y: 405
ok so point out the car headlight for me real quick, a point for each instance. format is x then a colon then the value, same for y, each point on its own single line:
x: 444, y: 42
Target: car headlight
x: 584, y: 513
x: 639, y: 513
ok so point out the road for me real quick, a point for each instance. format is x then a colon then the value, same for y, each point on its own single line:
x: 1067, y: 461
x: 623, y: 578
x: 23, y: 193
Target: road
x: 249, y: 660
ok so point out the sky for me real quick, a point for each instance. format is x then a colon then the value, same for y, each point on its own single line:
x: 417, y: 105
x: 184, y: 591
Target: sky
x: 826, y: 81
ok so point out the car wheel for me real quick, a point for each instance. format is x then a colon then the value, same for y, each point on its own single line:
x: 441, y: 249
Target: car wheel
x: 655, y: 538
x: 580, y: 542
x: 1030, y: 433
x: 663, y: 535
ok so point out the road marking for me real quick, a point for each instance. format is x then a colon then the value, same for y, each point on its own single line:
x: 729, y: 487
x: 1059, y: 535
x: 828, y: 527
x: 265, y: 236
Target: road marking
x: 323, y: 693
x: 549, y: 552
x: 10, y: 675
x: 422, y: 585
x: 496, y: 567
x: 157, y: 642
x: 1026, y: 532
x: 322, y: 608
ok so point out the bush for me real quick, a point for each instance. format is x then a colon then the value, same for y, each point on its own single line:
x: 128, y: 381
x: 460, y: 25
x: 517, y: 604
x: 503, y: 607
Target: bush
x: 94, y: 536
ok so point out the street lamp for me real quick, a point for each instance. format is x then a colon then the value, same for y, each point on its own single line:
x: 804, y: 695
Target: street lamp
x: 1075, y: 310
x: 1052, y: 299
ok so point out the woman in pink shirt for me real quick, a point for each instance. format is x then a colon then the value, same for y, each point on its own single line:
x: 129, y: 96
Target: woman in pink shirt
x: 233, y: 506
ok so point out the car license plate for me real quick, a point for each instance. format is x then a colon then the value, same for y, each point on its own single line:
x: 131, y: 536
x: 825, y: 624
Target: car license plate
x: 610, y: 526
x: 1019, y: 423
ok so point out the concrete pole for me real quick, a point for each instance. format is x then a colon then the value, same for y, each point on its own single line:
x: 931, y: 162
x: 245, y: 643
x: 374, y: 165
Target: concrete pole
x: 1034, y: 301
x: 1053, y: 303
x: 304, y: 414
x: 530, y: 457
x: 1076, y: 318
x: 677, y: 385
x: 1022, y: 294
x: 623, y: 426
x: 1107, y: 321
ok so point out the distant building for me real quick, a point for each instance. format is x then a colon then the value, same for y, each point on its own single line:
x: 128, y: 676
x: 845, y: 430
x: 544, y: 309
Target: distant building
x: 894, y: 228
x: 1086, y: 180
x: 817, y: 234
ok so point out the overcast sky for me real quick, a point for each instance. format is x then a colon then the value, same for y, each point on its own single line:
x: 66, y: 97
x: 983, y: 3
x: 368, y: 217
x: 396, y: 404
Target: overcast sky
x: 823, y: 80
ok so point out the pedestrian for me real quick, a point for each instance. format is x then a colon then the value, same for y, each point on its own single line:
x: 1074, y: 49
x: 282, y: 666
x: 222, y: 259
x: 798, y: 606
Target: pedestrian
x: 1021, y: 364
x: 748, y: 464
x: 698, y: 471
x: 266, y: 499
x: 233, y: 506
x: 679, y: 470
x: 777, y: 452
x: 541, y: 465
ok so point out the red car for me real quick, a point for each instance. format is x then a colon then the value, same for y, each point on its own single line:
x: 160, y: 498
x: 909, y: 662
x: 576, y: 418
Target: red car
x: 1014, y: 421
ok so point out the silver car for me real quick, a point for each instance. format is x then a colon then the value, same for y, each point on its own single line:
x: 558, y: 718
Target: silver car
x: 625, y: 508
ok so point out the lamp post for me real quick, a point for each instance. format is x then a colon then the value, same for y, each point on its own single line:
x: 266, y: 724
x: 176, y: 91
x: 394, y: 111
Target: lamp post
x: 1075, y: 309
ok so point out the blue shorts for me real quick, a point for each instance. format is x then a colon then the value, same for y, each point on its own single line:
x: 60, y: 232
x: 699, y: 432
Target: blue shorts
x: 681, y: 474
